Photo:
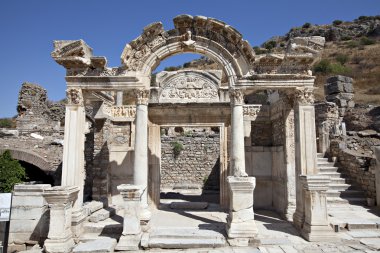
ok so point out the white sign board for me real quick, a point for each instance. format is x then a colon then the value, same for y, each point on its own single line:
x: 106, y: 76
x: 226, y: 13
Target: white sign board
x: 5, y: 206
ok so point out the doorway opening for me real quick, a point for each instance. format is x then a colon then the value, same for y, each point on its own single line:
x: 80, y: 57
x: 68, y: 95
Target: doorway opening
x: 190, y: 165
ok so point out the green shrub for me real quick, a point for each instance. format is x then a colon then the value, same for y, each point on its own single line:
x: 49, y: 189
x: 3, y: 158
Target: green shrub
x: 323, y: 67
x: 7, y: 123
x: 259, y: 50
x: 172, y: 68
x: 306, y: 25
x: 11, y: 172
x: 177, y: 148
x: 367, y: 41
x: 342, y: 58
x: 326, y: 67
x: 270, y: 45
x: 337, y: 22
x: 352, y: 44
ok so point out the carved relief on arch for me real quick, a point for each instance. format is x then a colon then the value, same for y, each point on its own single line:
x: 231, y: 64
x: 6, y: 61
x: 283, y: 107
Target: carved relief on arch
x: 192, y: 34
x: 188, y: 87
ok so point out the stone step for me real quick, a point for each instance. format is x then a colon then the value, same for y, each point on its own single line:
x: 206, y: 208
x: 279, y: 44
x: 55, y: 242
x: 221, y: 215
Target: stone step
x: 88, y: 237
x: 345, y: 201
x: 328, y: 169
x: 340, y: 187
x: 339, y: 180
x: 106, y: 227
x: 102, y: 214
x: 322, y: 160
x: 320, y: 155
x: 182, y: 238
x: 346, y: 194
x: 325, y: 164
x: 333, y: 174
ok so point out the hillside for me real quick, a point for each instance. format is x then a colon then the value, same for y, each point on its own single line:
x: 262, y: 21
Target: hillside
x: 352, y: 49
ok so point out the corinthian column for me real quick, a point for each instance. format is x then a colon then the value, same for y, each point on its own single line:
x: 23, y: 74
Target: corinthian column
x: 73, y: 173
x: 237, y: 129
x: 140, y: 168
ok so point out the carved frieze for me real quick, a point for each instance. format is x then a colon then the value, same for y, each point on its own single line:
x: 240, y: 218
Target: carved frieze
x: 74, y: 96
x: 187, y: 87
x: 120, y: 113
x: 120, y: 134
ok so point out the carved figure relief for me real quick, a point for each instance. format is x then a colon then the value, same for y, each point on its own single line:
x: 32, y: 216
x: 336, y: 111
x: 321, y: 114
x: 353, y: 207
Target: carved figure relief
x: 189, y: 87
x: 304, y: 96
x: 74, y: 96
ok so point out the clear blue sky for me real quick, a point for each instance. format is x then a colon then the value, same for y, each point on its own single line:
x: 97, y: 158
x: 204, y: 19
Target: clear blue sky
x: 28, y: 28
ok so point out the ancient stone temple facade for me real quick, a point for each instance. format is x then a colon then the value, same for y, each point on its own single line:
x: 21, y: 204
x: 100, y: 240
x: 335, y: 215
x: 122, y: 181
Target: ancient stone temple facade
x: 267, y: 149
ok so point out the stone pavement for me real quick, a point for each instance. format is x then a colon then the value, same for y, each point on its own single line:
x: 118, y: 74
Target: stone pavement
x: 275, y: 234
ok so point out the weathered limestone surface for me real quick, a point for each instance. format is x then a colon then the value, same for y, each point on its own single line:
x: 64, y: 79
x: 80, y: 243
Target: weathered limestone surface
x: 316, y: 226
x: 131, y: 235
x: 60, y: 200
x: 30, y: 216
x: 240, y: 222
x: 196, y: 164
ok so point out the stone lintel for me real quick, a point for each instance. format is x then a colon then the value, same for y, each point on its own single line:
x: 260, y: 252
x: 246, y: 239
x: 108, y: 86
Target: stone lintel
x: 30, y: 189
x: 315, y: 182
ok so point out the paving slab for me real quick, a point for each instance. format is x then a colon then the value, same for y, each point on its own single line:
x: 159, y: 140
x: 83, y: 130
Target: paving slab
x: 102, y: 245
x: 373, y: 243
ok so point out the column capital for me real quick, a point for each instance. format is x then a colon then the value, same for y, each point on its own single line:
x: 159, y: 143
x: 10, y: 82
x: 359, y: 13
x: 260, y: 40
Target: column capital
x: 304, y: 96
x: 59, y: 195
x: 142, y: 96
x: 74, y: 96
x: 236, y: 96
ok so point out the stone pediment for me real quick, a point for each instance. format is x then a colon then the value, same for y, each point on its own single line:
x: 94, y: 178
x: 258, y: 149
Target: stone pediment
x: 188, y: 86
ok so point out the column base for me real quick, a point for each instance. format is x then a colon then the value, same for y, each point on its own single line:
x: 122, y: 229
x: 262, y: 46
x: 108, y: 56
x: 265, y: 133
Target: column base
x: 318, y: 233
x: 59, y: 245
x: 246, y: 229
x: 298, y: 220
x: 129, y: 242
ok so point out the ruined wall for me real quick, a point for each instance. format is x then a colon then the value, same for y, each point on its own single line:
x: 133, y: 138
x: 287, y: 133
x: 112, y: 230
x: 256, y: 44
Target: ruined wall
x: 197, y: 164
x: 357, y: 166
x: 35, y: 112
x: 101, y: 160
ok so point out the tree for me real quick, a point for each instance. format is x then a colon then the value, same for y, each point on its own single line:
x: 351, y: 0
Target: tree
x: 11, y: 172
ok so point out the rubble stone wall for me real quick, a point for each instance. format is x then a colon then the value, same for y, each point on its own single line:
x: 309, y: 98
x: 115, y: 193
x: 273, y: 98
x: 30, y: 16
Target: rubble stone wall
x: 196, y: 164
x: 356, y: 166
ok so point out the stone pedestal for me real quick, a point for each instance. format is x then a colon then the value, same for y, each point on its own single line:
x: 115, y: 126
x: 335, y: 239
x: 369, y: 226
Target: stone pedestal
x: 316, y: 225
x: 131, y: 235
x: 241, y: 221
x: 140, y: 168
x: 60, y: 200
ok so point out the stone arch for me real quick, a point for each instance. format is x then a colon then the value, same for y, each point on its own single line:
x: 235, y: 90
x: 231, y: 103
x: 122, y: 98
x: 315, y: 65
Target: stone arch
x: 30, y: 157
x: 206, y: 36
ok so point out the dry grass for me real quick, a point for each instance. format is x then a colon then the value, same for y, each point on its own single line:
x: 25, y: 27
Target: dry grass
x: 364, y: 64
